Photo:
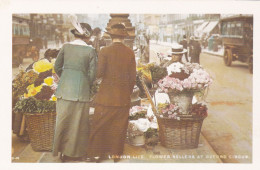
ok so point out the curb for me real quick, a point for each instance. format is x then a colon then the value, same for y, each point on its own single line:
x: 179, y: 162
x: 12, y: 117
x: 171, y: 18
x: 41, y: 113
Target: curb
x: 219, y: 55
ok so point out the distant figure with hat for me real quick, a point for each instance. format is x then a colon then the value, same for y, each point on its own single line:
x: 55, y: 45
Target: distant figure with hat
x: 117, y: 69
x: 96, y: 42
x: 195, y: 50
x: 184, y: 43
x: 176, y: 54
x: 76, y: 67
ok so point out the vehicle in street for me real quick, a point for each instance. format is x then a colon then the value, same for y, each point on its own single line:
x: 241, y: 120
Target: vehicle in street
x: 22, y: 44
x: 237, y: 37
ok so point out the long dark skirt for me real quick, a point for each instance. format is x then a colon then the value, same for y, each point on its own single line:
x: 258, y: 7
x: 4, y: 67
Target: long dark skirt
x: 195, y: 59
x: 72, y: 128
x: 108, y: 131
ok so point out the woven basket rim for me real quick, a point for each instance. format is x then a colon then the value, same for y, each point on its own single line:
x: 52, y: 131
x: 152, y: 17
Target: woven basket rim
x: 184, y: 117
x: 186, y: 91
x: 40, y: 113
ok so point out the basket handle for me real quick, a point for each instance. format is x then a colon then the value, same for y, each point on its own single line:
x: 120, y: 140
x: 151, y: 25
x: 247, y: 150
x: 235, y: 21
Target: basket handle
x: 149, y: 96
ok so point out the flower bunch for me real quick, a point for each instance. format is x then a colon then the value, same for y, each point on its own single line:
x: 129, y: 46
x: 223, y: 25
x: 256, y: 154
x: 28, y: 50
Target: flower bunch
x: 42, y: 76
x: 157, y: 72
x: 32, y: 90
x: 31, y: 105
x: 145, y: 72
x: 174, y: 68
x: 137, y: 112
x: 196, y: 80
x: 199, y: 109
x: 45, y: 93
x: 44, y: 85
x: 42, y: 66
x: 139, y: 121
x: 167, y: 110
x: 20, y: 83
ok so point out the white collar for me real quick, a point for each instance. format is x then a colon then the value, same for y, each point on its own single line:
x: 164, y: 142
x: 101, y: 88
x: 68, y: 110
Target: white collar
x: 78, y: 42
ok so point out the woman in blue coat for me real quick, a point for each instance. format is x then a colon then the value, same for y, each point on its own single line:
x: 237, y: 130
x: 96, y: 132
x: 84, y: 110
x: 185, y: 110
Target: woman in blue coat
x: 76, y: 67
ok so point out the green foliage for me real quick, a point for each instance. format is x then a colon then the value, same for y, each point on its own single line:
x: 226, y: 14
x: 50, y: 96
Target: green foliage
x: 45, y: 106
x: 151, y: 133
x: 138, y: 115
x: 31, y: 105
x: 158, y: 72
x: 20, y: 83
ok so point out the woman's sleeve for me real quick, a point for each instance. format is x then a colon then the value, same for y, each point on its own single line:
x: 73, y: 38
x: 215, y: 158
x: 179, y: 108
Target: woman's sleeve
x: 92, y: 66
x: 59, y: 62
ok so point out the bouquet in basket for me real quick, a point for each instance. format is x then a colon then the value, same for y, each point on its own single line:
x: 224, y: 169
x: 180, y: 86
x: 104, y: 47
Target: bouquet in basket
x: 140, y: 124
x: 37, y: 84
x: 168, y: 110
x: 185, y: 77
x: 172, y: 111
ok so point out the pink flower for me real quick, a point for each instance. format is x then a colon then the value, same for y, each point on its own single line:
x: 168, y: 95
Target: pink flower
x: 171, y: 107
x: 164, y: 110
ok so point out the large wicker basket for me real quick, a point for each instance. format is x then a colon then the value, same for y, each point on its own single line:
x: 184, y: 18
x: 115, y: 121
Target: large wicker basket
x: 41, y: 128
x: 180, y: 134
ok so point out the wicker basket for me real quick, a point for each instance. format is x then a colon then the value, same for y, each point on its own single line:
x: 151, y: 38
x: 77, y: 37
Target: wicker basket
x: 180, y: 134
x: 41, y: 128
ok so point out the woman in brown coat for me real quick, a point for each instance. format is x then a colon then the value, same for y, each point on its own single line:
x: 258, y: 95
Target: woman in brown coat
x: 117, y: 68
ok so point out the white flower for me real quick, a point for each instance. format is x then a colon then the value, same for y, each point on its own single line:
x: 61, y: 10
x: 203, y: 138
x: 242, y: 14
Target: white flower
x: 174, y: 67
x: 154, y: 125
x: 142, y: 124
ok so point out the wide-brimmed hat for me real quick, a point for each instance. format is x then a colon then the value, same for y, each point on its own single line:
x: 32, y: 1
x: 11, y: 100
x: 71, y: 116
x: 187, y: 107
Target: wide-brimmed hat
x: 118, y: 30
x: 196, y: 38
x: 177, y: 49
x: 80, y: 29
x: 87, y: 31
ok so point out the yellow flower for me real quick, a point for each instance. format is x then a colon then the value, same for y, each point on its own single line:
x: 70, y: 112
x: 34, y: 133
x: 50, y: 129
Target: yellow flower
x: 53, y: 98
x: 48, y: 81
x: 42, y: 66
x: 32, y: 91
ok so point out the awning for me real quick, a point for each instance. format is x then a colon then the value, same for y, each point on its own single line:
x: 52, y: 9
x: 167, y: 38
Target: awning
x: 210, y: 26
x: 202, y: 26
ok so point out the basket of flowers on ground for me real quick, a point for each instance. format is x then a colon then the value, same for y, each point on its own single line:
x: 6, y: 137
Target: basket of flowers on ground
x: 38, y: 106
x: 178, y: 131
x: 141, y: 128
x: 179, y: 121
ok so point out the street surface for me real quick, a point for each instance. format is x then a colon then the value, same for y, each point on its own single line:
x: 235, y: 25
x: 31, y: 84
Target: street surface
x: 226, y: 132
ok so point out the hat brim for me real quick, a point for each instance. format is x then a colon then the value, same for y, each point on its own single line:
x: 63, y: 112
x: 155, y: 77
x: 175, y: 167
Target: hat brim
x: 75, y: 32
x: 115, y: 34
x: 182, y: 52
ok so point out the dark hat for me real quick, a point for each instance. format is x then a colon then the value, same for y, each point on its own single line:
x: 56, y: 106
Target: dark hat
x: 96, y: 31
x: 118, y: 30
x: 177, y: 49
x: 86, y: 28
x: 196, y: 39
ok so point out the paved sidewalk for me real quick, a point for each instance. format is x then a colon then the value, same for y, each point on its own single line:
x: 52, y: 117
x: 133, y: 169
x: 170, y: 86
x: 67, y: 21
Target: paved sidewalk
x: 139, y: 154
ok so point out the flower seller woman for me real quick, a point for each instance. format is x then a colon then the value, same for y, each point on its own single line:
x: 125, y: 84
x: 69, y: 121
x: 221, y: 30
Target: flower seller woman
x: 176, y: 52
x: 76, y: 67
